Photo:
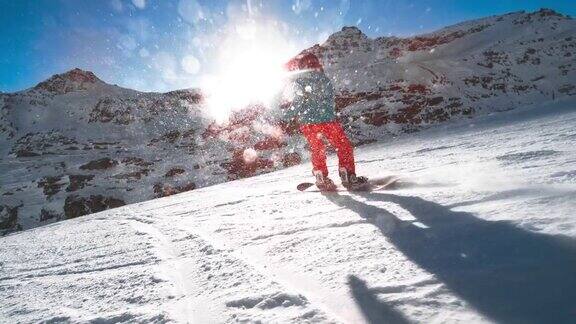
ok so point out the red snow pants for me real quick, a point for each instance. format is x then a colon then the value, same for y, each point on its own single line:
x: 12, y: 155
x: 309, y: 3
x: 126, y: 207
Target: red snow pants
x: 334, y: 134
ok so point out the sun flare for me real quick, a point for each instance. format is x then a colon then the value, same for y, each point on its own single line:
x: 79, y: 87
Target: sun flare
x: 249, y: 69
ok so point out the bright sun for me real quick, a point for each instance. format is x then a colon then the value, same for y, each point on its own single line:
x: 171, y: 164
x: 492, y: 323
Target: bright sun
x: 249, y: 69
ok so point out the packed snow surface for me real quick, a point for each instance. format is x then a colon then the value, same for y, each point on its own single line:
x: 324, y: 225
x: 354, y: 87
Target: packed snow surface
x: 481, y: 228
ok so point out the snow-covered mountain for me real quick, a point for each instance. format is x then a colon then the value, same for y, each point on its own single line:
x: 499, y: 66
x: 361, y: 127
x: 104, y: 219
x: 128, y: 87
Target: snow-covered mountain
x: 480, y: 229
x: 392, y: 84
x: 74, y: 145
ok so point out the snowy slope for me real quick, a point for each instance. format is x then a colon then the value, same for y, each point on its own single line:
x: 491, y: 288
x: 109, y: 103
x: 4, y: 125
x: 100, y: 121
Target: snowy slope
x: 480, y: 229
x: 74, y: 145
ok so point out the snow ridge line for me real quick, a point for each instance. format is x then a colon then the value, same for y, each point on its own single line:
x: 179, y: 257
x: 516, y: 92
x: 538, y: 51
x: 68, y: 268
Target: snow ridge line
x: 74, y: 272
x: 313, y: 228
x: 170, y: 266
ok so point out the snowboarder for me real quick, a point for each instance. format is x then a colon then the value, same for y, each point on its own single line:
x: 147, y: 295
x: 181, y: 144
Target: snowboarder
x: 311, y: 103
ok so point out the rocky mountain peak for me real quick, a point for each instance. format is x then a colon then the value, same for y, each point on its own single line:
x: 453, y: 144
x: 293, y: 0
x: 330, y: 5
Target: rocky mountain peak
x: 72, y: 80
x: 78, y: 75
x: 347, y: 33
x: 543, y: 12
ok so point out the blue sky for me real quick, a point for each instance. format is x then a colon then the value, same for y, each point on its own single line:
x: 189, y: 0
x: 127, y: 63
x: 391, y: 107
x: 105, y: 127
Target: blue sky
x: 160, y: 45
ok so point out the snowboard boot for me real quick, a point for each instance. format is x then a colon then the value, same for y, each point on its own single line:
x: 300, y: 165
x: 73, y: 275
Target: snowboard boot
x: 323, y: 182
x: 352, y: 182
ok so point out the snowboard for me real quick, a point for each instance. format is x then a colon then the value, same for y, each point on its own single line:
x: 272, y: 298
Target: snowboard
x: 383, y: 183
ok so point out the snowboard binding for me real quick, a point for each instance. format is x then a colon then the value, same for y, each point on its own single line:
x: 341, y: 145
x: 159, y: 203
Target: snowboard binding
x: 350, y: 181
x: 323, y: 182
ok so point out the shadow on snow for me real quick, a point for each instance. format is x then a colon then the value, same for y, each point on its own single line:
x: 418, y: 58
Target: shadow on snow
x: 508, y: 274
x: 373, y: 309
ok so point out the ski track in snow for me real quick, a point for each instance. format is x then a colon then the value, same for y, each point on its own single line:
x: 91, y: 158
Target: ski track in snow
x: 480, y: 229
